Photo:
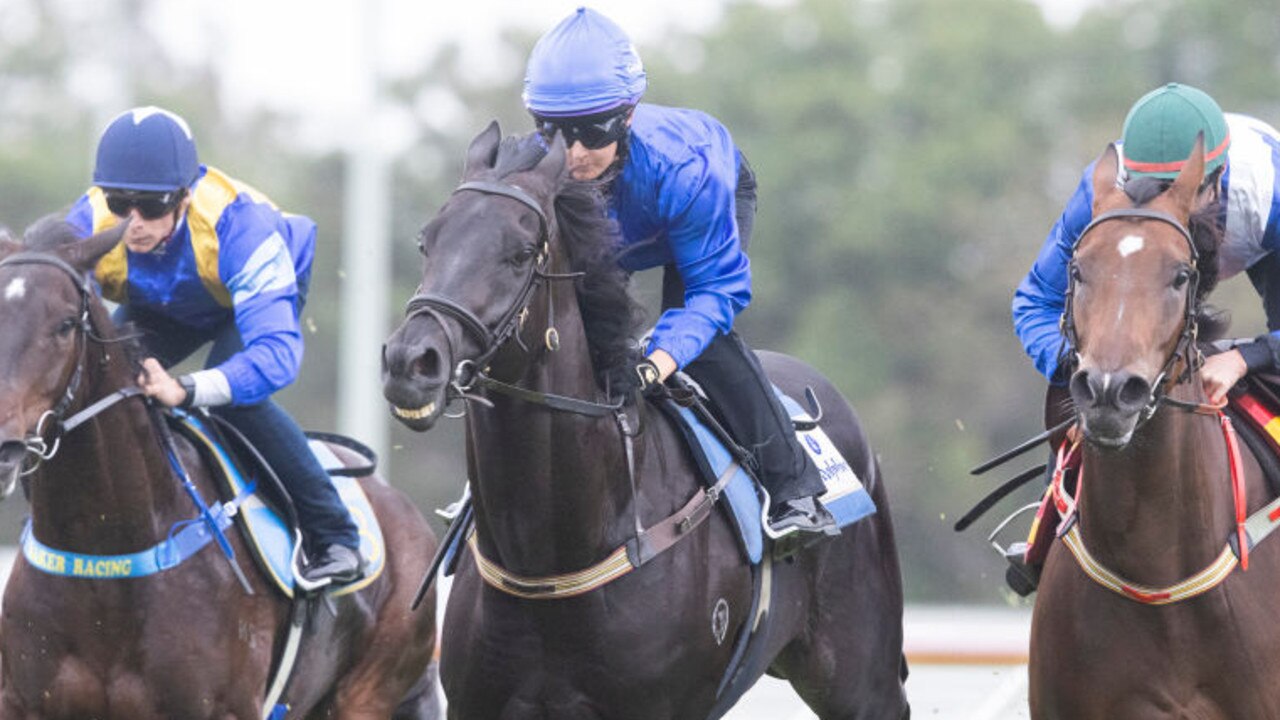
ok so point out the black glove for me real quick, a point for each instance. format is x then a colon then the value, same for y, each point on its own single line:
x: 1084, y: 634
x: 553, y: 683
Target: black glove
x: 649, y: 376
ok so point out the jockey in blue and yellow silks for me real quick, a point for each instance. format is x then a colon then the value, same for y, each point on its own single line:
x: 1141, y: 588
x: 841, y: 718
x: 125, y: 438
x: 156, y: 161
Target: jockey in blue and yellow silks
x: 1242, y: 182
x: 684, y: 199
x: 208, y: 259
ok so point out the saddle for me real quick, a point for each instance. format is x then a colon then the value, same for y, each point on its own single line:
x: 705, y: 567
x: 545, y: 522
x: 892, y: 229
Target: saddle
x: 266, y: 517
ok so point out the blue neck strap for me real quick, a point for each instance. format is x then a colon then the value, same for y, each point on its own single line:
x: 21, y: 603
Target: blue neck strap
x: 186, y: 538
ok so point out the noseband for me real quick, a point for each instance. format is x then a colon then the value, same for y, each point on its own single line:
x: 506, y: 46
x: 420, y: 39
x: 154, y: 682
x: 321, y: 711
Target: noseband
x: 472, y: 371
x: 52, y: 419
x: 1185, y: 348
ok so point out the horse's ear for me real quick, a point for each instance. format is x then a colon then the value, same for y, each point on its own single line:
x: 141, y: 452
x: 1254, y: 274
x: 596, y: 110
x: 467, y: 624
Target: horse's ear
x: 8, y: 245
x: 483, y: 151
x: 551, y: 166
x: 1182, y: 193
x: 84, y: 255
x: 1105, y: 171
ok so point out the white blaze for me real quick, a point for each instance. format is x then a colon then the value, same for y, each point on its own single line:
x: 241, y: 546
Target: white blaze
x: 17, y: 289
x: 1130, y: 245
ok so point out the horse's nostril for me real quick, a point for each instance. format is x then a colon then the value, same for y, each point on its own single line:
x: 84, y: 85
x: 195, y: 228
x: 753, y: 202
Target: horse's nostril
x: 428, y: 364
x: 1082, y: 391
x: 1133, y: 392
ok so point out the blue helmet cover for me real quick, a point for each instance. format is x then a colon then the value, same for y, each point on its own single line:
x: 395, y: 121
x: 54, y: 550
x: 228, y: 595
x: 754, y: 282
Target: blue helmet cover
x: 146, y: 148
x: 583, y: 66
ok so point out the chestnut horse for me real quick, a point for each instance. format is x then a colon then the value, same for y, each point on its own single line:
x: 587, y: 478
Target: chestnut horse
x: 1143, y: 612
x: 187, y: 641
x: 524, y: 313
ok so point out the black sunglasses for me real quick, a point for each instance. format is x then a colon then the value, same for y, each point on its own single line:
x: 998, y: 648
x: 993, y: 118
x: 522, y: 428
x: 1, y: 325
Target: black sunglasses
x: 150, y: 205
x: 593, y: 133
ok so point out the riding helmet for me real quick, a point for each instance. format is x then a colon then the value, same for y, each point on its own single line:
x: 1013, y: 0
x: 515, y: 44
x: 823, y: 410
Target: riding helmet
x: 1162, y: 127
x: 585, y: 65
x: 146, y: 148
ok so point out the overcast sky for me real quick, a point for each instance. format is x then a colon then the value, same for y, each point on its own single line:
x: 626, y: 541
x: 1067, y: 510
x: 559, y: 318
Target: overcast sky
x: 306, y: 57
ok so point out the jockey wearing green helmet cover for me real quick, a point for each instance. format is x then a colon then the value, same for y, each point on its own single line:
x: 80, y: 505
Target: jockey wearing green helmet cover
x: 1241, y: 187
x: 684, y: 199
x: 208, y: 259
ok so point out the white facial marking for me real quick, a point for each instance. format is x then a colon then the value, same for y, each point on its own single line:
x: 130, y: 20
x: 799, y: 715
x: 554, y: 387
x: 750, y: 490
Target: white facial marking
x: 1130, y: 245
x: 17, y: 289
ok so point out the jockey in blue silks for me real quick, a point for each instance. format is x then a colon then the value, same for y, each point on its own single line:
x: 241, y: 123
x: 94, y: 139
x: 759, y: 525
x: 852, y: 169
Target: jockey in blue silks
x: 1242, y: 169
x: 684, y: 199
x: 207, y: 259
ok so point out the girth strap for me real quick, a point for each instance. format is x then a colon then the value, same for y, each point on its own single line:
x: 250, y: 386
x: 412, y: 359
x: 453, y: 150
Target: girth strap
x: 636, y: 552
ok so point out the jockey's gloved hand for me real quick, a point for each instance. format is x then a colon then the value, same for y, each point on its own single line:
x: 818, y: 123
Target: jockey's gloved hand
x: 650, y: 376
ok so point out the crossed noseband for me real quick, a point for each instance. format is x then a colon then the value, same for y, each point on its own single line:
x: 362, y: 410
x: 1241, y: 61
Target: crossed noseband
x: 1184, y: 349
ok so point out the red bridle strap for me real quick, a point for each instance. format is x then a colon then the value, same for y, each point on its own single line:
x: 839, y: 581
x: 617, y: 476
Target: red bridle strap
x: 1208, y: 578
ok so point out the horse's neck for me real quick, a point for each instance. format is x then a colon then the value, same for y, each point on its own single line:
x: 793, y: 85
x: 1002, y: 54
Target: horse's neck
x: 1162, y: 507
x: 109, y: 489
x: 551, y: 488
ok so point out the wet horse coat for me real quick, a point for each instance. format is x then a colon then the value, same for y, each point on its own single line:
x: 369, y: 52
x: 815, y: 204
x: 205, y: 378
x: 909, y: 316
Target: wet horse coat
x: 186, y: 642
x: 552, y: 488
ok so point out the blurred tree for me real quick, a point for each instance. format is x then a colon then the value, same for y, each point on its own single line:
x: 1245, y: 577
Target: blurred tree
x: 912, y: 154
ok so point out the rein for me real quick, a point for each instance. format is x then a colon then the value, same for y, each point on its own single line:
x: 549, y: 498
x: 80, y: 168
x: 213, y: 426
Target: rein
x: 646, y: 543
x: 186, y: 538
x: 1249, y: 530
x: 35, y: 443
x: 472, y: 372
x: 1185, y: 348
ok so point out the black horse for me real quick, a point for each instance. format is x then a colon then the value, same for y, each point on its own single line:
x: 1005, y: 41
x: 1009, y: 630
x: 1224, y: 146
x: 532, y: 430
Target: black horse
x: 563, y: 481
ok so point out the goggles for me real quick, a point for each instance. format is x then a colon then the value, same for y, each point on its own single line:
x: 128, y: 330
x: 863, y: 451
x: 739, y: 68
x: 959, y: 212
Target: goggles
x: 593, y: 132
x: 150, y: 205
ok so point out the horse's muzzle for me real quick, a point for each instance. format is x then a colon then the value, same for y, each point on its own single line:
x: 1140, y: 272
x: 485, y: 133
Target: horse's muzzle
x: 414, y: 378
x: 1109, y: 404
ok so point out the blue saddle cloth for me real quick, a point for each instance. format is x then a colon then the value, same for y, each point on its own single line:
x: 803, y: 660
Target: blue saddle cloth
x: 267, y: 533
x: 846, y: 498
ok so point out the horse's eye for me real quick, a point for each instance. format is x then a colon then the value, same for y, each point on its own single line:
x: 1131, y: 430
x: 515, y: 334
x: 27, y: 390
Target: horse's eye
x: 1180, y: 280
x: 523, y: 255
x: 1075, y: 274
x: 67, y: 326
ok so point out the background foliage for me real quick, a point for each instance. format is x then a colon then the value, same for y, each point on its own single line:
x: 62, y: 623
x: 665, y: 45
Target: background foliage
x: 912, y: 155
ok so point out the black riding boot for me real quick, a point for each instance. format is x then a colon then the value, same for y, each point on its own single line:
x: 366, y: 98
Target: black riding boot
x: 733, y: 379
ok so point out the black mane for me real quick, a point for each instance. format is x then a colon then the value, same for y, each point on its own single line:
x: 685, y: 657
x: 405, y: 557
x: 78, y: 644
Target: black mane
x: 610, y: 315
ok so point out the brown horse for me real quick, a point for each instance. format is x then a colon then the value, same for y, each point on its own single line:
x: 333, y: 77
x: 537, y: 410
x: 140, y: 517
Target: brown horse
x: 1142, y: 611
x: 523, y: 311
x: 186, y: 642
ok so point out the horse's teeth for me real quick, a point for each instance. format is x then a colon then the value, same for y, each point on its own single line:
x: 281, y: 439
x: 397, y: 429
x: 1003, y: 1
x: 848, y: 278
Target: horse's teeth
x: 418, y: 414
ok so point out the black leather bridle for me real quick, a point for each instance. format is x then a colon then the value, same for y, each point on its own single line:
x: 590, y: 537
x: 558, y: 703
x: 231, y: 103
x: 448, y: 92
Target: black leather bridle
x: 1185, y: 348
x: 471, y: 372
x: 52, y: 421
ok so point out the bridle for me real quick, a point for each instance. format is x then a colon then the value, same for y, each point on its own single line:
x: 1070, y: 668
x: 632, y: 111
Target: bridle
x: 1184, y: 349
x: 52, y: 423
x: 472, y: 372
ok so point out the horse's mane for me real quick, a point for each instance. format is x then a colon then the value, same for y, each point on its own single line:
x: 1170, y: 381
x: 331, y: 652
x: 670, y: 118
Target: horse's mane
x: 610, y: 315
x: 1206, y: 230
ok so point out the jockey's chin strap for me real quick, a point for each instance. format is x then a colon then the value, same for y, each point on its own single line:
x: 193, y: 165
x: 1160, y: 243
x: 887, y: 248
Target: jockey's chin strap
x: 1184, y: 350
